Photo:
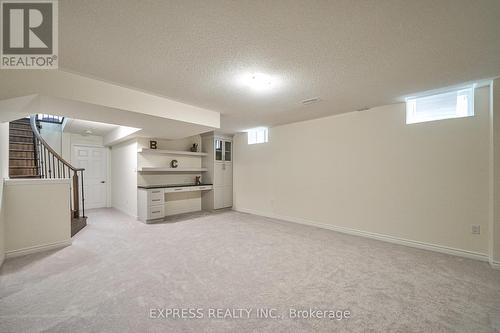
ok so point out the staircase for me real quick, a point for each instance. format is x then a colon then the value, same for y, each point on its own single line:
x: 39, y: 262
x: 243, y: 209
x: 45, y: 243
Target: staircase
x: 22, y: 155
x: 31, y: 157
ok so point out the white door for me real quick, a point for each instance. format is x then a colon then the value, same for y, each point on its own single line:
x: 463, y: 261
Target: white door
x: 93, y: 160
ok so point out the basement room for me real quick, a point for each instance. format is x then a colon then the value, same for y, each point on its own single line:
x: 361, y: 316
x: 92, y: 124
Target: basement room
x: 250, y: 166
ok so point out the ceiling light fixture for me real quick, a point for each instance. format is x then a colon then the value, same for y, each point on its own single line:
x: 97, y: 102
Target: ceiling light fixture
x: 258, y: 82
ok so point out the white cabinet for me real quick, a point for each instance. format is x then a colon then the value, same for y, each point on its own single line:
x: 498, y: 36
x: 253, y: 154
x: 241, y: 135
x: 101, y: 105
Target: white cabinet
x: 223, y: 149
x: 219, y: 162
x: 223, y: 185
x: 227, y: 188
x: 150, y: 204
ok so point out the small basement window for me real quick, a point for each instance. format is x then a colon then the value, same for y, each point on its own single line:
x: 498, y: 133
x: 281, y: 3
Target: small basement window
x: 257, y: 135
x: 451, y: 104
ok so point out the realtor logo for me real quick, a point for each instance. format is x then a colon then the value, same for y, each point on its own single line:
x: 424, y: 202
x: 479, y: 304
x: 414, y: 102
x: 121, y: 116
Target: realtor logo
x: 29, y: 34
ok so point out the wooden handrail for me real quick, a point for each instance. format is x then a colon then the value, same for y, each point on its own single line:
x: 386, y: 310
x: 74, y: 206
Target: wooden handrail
x: 34, y: 128
x: 50, y: 164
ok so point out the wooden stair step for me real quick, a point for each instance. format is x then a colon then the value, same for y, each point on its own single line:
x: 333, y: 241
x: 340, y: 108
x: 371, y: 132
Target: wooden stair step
x: 20, y: 143
x: 20, y: 125
x: 22, y: 158
x: 20, y: 134
x: 24, y: 176
x: 22, y: 150
x: 26, y: 163
x: 23, y: 124
x: 77, y: 224
x: 23, y: 167
x: 30, y: 162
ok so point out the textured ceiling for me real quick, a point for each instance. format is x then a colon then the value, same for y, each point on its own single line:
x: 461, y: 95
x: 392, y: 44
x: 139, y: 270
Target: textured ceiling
x: 352, y: 54
x: 80, y: 126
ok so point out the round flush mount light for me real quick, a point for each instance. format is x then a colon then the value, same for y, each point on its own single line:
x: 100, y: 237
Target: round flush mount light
x: 259, y: 82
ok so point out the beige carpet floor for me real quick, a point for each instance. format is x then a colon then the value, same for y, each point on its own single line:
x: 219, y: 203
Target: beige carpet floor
x: 118, y: 270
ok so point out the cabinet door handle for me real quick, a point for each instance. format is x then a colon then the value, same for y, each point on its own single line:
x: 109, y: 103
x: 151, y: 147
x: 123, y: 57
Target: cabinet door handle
x: 155, y: 191
x: 156, y: 211
x: 156, y: 200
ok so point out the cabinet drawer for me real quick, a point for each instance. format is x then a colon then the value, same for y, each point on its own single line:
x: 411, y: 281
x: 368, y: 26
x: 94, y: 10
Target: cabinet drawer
x: 156, y: 197
x: 177, y: 189
x: 156, y: 212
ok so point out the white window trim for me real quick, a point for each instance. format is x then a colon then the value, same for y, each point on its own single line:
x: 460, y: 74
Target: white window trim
x: 411, y: 107
x: 258, y: 135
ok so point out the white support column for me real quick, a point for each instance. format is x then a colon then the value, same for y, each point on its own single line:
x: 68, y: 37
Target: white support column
x: 494, y: 224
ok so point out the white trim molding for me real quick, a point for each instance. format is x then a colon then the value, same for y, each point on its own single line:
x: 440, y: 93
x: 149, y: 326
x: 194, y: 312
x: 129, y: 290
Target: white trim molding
x: 38, y: 248
x: 372, y: 235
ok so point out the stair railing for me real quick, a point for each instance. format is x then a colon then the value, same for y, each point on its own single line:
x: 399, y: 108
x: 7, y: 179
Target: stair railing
x: 50, y: 165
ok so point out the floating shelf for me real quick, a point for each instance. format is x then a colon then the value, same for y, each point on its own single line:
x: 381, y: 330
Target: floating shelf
x: 169, y: 152
x: 171, y: 170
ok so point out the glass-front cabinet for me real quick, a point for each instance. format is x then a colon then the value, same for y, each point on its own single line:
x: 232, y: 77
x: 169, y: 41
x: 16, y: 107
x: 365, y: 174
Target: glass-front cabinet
x: 227, y: 151
x: 223, y: 150
x: 218, y: 149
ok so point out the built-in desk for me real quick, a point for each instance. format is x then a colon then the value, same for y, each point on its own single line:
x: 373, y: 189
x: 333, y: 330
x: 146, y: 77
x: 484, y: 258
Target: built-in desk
x: 151, y: 199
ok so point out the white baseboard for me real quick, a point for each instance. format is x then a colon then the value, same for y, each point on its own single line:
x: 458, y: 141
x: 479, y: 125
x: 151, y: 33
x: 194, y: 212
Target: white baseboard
x: 372, y: 235
x: 124, y: 211
x: 38, y: 248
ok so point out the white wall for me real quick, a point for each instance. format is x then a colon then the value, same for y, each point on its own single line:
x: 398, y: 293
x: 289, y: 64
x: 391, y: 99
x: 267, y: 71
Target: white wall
x: 4, y: 173
x: 52, y: 134
x: 47, y: 222
x: 369, y: 171
x: 124, y: 177
x: 69, y: 139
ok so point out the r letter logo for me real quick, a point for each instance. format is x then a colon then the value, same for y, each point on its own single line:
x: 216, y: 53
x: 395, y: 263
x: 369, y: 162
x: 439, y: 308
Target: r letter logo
x: 29, y: 34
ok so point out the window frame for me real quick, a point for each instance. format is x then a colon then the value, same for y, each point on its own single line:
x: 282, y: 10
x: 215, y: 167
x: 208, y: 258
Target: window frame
x: 253, y: 135
x: 412, y: 116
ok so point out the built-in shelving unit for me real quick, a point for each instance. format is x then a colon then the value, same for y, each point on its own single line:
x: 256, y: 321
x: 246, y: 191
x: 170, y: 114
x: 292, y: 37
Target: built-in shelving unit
x: 173, y: 170
x: 154, y: 167
x: 169, y: 152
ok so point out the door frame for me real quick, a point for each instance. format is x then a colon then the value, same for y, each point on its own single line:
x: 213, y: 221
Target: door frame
x: 108, y: 167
